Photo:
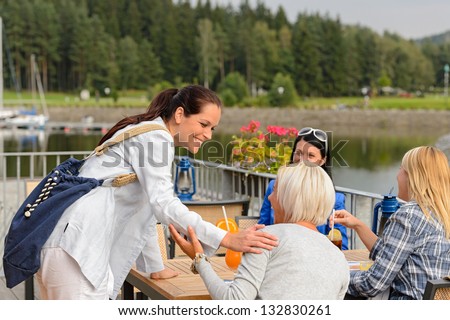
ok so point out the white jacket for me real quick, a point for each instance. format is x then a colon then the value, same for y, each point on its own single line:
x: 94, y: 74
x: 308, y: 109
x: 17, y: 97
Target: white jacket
x: 111, y: 225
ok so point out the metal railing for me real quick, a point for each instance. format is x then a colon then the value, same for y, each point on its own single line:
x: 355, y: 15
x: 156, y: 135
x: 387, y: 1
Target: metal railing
x: 214, y: 182
x: 218, y: 182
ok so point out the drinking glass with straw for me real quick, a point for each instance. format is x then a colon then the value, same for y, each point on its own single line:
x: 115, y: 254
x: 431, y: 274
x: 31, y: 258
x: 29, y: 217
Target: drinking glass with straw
x: 332, y: 226
x: 232, y: 258
x: 225, y: 216
x: 335, y: 235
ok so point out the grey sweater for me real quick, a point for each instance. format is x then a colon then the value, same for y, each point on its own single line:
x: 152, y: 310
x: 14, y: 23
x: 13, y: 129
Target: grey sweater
x: 305, y: 265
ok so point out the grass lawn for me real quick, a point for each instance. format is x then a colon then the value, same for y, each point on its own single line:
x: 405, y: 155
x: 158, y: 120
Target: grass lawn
x: 136, y: 98
x: 435, y: 102
x: 61, y: 99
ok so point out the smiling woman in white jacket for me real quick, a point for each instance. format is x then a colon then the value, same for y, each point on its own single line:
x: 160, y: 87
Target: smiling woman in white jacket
x: 101, y: 235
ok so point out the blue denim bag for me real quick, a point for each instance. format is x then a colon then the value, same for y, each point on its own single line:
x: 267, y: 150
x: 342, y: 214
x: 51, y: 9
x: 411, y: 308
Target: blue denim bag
x: 37, y: 217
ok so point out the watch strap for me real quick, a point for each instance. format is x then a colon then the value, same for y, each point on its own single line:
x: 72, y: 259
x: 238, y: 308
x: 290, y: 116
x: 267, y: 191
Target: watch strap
x: 196, y: 260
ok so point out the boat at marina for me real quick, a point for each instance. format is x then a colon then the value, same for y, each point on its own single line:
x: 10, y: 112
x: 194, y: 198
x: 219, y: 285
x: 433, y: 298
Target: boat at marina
x: 25, y: 121
x: 21, y: 118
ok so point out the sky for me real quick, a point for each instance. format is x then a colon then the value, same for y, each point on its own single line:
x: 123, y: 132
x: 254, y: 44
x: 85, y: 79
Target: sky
x: 411, y: 19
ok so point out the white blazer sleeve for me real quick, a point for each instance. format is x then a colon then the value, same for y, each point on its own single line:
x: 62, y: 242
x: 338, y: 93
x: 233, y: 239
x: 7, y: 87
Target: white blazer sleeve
x: 151, y: 156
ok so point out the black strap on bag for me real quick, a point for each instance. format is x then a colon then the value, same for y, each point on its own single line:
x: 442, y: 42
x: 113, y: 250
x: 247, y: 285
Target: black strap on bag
x: 38, y: 215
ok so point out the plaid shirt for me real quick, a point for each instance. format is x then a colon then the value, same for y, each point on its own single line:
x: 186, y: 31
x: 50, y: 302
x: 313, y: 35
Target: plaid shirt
x: 411, y: 250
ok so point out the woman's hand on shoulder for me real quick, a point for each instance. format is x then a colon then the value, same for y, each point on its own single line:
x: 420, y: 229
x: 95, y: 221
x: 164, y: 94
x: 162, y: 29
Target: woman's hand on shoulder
x: 250, y: 240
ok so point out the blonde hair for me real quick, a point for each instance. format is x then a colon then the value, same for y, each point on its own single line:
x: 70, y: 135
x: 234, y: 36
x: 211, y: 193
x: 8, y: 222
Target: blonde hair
x: 305, y: 192
x: 429, y: 182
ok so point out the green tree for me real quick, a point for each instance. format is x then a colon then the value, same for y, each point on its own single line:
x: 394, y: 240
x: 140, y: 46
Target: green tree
x: 223, y: 49
x: 80, y: 47
x: 235, y: 83
x: 186, y: 56
x: 171, y: 53
x: 282, y: 91
x: 438, y: 56
x: 101, y: 59
x: 352, y: 69
x: 151, y: 22
x: 109, y: 12
x: 281, y: 20
x: 207, y: 52
x: 305, y: 48
x: 384, y: 80
x: 249, y: 58
x: 265, y: 57
x: 367, y: 49
x: 132, y: 23
x: 331, y: 54
x: 46, y: 38
x: 16, y: 16
x: 286, y: 64
x: 150, y: 70
x: 128, y: 62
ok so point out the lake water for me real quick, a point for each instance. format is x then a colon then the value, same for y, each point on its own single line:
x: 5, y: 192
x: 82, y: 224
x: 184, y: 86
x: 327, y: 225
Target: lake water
x: 370, y: 164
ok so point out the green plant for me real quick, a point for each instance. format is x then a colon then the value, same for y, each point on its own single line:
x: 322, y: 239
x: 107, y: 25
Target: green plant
x: 235, y: 82
x: 228, y: 98
x: 282, y: 92
x: 262, y: 152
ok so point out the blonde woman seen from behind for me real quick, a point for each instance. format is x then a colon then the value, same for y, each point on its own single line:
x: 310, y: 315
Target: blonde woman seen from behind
x: 415, y: 244
x: 305, y: 265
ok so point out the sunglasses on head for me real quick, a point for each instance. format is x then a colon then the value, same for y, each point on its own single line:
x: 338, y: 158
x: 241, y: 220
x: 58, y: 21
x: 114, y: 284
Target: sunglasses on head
x: 319, y: 134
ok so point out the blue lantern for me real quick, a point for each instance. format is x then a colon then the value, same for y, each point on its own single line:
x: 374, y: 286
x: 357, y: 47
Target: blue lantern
x: 185, y: 180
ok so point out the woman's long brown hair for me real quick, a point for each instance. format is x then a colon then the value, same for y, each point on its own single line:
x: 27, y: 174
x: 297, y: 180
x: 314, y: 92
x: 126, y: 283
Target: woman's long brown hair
x: 191, y: 98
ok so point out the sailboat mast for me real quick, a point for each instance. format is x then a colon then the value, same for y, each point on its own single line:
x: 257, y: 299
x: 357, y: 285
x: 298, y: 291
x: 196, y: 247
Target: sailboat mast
x: 1, y: 63
x: 37, y: 78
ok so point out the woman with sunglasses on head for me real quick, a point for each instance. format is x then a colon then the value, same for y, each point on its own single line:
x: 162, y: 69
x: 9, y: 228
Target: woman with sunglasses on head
x: 310, y: 145
x: 415, y: 244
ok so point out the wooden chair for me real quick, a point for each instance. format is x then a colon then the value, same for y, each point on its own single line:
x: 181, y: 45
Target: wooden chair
x: 212, y: 211
x: 438, y: 289
x: 30, y: 185
x: 163, y: 240
x: 245, y: 222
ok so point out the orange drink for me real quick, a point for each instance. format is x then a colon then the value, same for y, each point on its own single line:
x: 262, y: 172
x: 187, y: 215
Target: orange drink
x: 222, y: 224
x: 232, y: 259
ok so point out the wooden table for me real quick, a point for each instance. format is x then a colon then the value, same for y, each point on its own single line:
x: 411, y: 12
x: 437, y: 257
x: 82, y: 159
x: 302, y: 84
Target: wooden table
x: 189, y: 286
x: 186, y: 286
x: 356, y: 255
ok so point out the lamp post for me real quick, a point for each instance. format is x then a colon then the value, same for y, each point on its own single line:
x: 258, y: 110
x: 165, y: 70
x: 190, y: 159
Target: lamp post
x: 184, y: 184
x: 446, y: 70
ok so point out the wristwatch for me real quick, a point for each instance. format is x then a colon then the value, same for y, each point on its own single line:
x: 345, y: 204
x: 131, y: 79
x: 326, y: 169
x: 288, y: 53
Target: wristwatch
x: 196, y: 260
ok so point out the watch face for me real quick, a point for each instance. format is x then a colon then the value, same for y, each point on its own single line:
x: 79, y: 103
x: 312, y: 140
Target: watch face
x: 197, y: 258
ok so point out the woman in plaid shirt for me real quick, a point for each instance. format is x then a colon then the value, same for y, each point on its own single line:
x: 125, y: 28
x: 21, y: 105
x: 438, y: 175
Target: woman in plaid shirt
x: 415, y: 244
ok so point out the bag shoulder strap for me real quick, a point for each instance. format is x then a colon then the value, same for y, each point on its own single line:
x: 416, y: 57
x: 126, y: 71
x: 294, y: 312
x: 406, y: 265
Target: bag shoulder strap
x: 127, y: 135
x: 126, y: 178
